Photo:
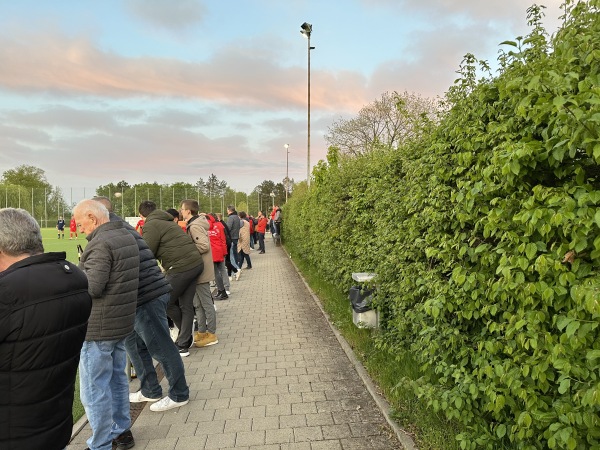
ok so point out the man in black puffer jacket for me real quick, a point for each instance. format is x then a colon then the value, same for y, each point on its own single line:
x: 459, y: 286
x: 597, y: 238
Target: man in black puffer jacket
x: 150, y: 338
x: 111, y: 261
x: 44, y: 310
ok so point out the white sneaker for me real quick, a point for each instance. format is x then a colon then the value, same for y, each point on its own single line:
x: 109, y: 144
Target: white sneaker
x: 166, y: 403
x: 138, y: 397
x: 238, y: 274
x: 230, y: 278
x: 228, y: 293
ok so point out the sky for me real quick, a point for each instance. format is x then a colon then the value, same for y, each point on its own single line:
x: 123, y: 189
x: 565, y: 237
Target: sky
x: 95, y: 92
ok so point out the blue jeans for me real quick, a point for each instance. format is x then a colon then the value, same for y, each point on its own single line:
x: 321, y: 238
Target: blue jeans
x: 104, y: 391
x: 233, y: 254
x: 151, y: 339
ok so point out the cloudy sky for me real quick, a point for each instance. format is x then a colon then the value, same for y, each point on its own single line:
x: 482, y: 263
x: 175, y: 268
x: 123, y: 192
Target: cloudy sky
x: 94, y: 92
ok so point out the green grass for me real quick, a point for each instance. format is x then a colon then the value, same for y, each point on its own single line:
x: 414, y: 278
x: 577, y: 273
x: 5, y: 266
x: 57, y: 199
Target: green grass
x: 53, y: 244
x: 430, y: 431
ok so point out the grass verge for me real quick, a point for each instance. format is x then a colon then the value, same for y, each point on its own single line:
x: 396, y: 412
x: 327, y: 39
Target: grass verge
x: 429, y: 431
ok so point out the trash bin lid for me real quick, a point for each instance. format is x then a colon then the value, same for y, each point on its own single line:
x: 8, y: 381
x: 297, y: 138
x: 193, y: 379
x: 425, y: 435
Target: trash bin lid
x: 363, y: 276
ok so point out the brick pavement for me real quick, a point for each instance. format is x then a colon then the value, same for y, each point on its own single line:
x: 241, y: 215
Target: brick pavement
x: 278, y: 379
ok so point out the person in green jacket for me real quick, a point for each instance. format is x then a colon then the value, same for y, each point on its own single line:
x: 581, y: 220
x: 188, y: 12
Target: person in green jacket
x: 182, y: 263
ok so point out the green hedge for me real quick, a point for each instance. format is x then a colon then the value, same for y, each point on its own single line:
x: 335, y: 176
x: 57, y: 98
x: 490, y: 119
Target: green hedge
x: 485, y: 236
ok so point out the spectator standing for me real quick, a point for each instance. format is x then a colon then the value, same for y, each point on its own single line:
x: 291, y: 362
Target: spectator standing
x: 244, y: 242
x: 182, y: 264
x: 261, y: 227
x: 111, y: 262
x: 230, y: 269
x: 72, y: 228
x: 150, y: 338
x: 206, y: 316
x: 233, y: 224
x: 218, y: 244
x: 42, y: 328
x: 60, y: 226
x: 277, y: 220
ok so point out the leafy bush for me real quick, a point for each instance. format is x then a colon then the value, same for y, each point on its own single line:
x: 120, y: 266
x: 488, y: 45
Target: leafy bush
x: 485, y: 238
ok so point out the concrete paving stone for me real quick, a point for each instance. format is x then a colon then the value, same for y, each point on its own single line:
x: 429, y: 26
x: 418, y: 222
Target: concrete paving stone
x: 257, y: 360
x: 244, y: 382
x: 280, y: 436
x: 234, y: 375
x: 249, y: 438
x: 217, y: 403
x: 201, y: 415
x: 266, y: 381
x: 258, y: 373
x: 313, y: 396
x: 253, y: 411
x: 207, y: 394
x: 302, y: 387
x: 278, y: 410
x: 223, y: 440
x: 336, y: 431
x: 168, y: 419
x: 264, y: 447
x: 279, y: 389
x: 220, y: 385
x: 324, y: 418
x: 292, y: 421
x: 159, y: 444
x: 329, y: 405
x: 371, y: 443
x: 182, y: 429
x: 326, y: 445
x: 302, y: 434
x: 237, y: 425
x: 215, y: 426
x: 227, y: 414
x: 254, y: 391
x: 231, y: 392
x: 265, y: 423
x: 190, y: 443
x: 295, y: 397
x: 213, y: 377
x: 238, y: 402
x: 246, y: 367
x: 150, y: 432
x: 296, y: 446
x: 322, y: 386
x: 265, y: 399
x: 304, y: 408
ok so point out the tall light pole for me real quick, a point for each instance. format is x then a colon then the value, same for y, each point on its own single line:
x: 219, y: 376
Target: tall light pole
x: 306, y: 30
x: 287, y: 177
x: 272, y: 194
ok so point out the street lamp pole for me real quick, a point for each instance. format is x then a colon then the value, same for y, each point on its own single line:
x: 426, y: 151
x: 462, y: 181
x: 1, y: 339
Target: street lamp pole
x: 306, y: 30
x: 287, y: 176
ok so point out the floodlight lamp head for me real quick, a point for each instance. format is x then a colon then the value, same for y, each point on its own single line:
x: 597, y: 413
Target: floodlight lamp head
x: 306, y: 29
x: 287, y: 146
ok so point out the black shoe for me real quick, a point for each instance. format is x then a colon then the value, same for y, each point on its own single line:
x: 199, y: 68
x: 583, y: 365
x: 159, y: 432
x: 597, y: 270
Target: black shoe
x: 124, y: 441
x: 261, y: 252
x: 222, y: 295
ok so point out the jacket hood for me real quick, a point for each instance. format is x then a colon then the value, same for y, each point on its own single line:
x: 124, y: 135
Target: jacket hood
x: 159, y: 214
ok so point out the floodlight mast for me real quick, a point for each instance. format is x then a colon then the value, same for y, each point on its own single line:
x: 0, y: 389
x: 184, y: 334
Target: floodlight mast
x: 306, y: 30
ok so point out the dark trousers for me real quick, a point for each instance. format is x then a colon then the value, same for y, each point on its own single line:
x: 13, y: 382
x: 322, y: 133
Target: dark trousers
x: 261, y: 241
x: 181, y: 303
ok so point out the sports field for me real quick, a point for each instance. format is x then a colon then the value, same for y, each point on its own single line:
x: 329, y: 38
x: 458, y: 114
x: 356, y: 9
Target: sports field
x: 53, y: 244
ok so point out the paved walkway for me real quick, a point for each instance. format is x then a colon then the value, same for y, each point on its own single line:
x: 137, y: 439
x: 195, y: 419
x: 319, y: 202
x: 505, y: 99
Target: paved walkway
x: 278, y: 379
